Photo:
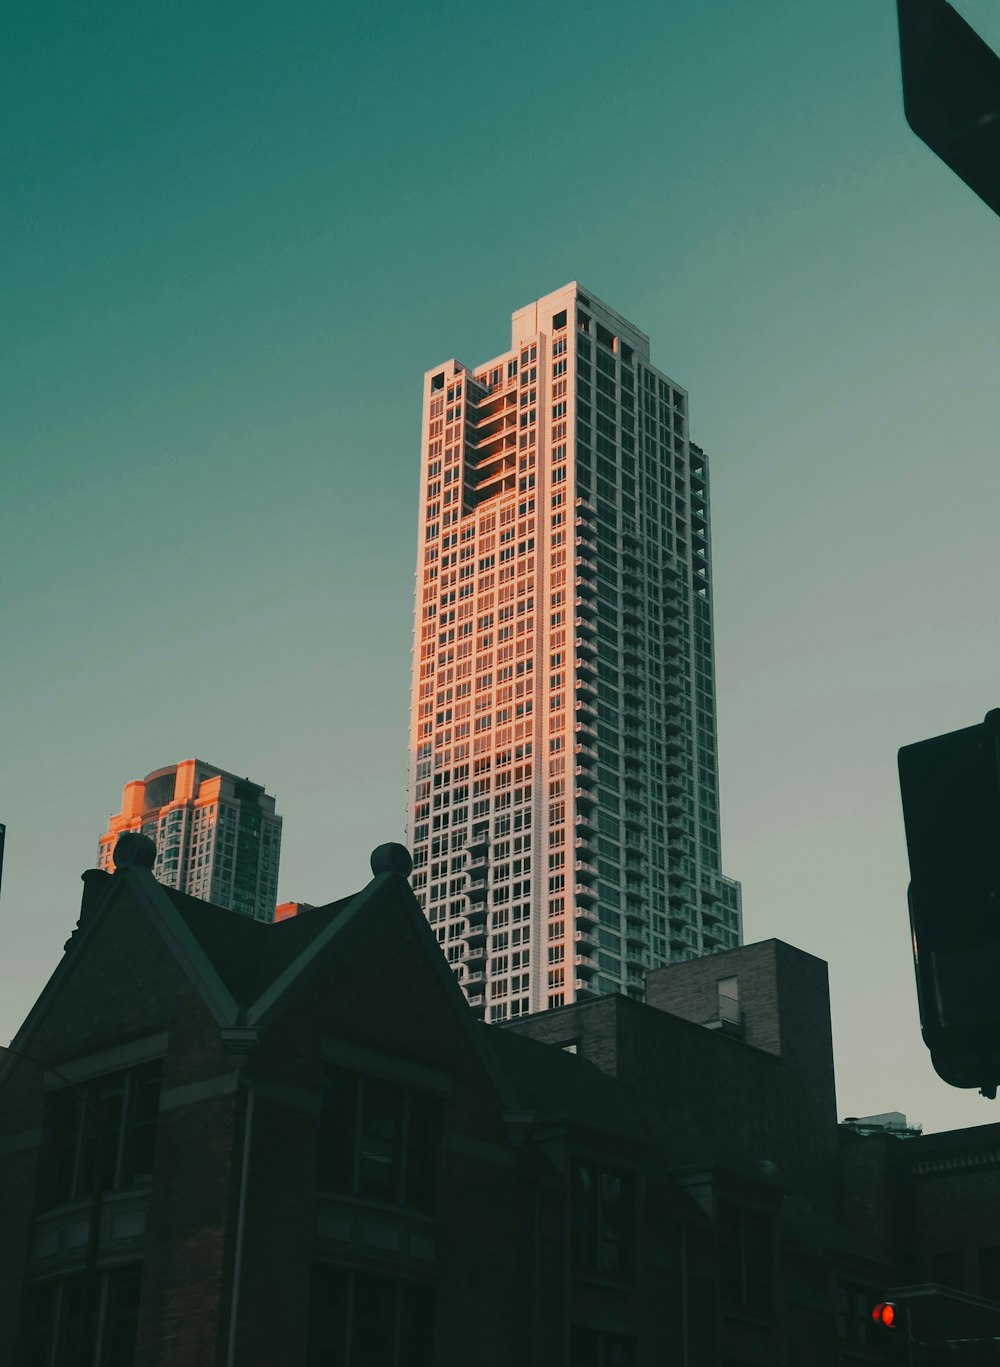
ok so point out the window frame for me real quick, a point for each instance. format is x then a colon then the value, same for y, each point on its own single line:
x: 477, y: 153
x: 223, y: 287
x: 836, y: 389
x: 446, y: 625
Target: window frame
x: 415, y: 1140
x: 408, y: 1316
x: 591, y: 1221
x: 79, y: 1134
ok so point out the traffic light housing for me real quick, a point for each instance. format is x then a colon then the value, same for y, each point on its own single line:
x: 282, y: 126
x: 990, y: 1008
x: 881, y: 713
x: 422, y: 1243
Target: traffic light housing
x: 890, y: 1335
x: 951, y: 92
x: 950, y: 788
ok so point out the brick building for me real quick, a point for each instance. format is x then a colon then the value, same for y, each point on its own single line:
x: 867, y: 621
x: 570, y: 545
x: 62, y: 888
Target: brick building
x: 226, y: 1143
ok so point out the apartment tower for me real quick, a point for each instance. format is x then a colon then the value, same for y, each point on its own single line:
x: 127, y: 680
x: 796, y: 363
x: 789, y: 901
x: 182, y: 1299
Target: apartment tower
x: 217, y: 836
x: 564, y: 809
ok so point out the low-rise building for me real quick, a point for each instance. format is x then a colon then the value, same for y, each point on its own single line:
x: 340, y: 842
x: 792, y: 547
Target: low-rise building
x: 227, y: 1143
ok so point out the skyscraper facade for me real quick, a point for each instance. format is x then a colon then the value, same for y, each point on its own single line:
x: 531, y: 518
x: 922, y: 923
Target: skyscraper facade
x: 217, y: 836
x: 564, y: 811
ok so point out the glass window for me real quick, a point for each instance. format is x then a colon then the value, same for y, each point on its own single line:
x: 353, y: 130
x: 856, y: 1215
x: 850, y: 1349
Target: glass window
x: 104, y: 1132
x: 66, y: 1323
x: 746, y: 1259
x: 596, y: 1348
x: 602, y: 1219
x: 378, y: 1140
x: 358, y: 1320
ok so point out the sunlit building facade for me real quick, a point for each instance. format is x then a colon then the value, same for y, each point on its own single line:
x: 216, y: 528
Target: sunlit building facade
x: 564, y: 812
x: 217, y: 835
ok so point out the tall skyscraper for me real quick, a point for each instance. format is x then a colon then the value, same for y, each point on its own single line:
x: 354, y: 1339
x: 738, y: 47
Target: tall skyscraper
x: 217, y: 836
x: 564, y: 812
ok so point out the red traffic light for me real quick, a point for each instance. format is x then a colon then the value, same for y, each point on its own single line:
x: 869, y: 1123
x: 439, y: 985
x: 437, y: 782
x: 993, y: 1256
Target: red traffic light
x: 885, y: 1314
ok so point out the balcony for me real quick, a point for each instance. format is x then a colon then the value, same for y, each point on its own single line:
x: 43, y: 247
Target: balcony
x: 583, y: 893
x: 478, y: 891
x: 584, y: 869
x: 475, y: 940
x: 585, y: 966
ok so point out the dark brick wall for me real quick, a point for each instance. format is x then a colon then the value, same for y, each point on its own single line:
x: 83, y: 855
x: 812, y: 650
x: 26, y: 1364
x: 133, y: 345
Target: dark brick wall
x: 187, y: 1264
x: 22, y: 1113
x: 952, y: 1182
x: 767, y: 1097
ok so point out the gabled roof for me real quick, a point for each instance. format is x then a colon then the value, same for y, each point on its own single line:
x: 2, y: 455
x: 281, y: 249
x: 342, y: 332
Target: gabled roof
x: 249, y: 955
x: 247, y: 972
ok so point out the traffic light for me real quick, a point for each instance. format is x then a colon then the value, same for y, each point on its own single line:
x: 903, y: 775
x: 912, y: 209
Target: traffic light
x: 884, y: 1315
x: 951, y: 92
x: 890, y: 1336
x: 950, y: 788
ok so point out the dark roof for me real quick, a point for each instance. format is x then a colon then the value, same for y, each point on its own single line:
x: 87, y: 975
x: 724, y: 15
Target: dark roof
x: 554, y: 1084
x: 250, y: 955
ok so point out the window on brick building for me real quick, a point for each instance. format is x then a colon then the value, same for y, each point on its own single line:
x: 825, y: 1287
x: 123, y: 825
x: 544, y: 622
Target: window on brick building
x: 602, y: 1220
x: 989, y: 1273
x: 356, y: 1318
x: 103, y: 1132
x: 746, y: 1260
x: 854, y: 1314
x: 597, y: 1348
x: 67, y: 1326
x: 378, y: 1140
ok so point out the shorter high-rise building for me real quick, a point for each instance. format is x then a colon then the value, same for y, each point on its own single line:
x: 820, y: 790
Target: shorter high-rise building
x: 217, y: 835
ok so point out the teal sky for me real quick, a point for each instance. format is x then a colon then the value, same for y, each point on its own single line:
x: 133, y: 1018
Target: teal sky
x: 232, y: 238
